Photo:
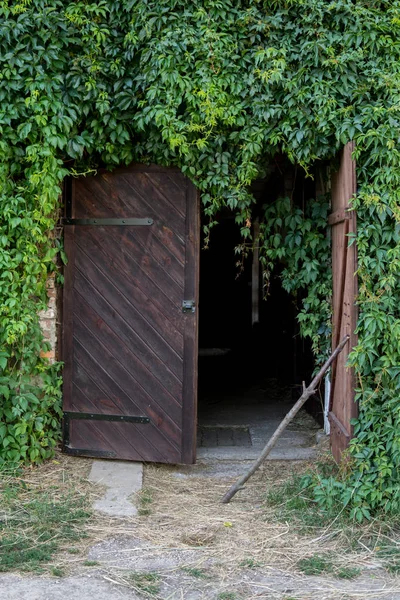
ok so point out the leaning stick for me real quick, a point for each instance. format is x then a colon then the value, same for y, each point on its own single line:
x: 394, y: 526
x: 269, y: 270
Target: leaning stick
x: 238, y: 485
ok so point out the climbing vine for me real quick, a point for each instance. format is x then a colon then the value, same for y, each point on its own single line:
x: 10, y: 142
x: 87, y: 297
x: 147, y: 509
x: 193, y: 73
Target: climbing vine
x: 297, y: 241
x: 217, y: 88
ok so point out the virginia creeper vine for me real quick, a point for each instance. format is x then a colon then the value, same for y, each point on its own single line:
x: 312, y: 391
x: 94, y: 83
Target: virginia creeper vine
x: 216, y: 87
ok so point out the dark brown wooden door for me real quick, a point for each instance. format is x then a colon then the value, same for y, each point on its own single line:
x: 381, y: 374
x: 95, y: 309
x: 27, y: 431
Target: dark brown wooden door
x: 129, y: 346
x: 344, y: 264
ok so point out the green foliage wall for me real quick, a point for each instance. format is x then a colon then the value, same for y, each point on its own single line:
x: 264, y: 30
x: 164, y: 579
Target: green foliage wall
x: 215, y: 87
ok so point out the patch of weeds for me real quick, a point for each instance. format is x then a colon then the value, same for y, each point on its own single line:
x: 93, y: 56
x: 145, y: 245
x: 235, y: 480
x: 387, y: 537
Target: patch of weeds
x: 57, y: 572
x: 17, y: 551
x: 145, y: 500
x: 322, y: 563
x: 36, y: 523
x: 250, y: 563
x: 90, y: 563
x: 227, y: 596
x: 293, y: 503
x: 74, y: 535
x: 73, y: 550
x: 390, y: 554
x: 198, y: 573
x: 145, y: 583
x: 347, y: 572
x: 33, y: 569
x: 316, y: 564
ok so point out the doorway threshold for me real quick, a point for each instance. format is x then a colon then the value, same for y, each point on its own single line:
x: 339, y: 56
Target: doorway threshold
x: 239, y: 431
x: 294, y: 444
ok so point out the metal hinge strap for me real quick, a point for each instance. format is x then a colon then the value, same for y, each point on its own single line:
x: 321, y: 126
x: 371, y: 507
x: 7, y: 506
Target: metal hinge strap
x: 94, y: 417
x: 102, y: 222
x: 103, y: 417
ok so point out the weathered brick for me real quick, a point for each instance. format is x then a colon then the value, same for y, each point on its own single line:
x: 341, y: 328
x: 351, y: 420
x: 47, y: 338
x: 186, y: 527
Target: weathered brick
x: 47, y: 314
x: 48, y: 320
x: 50, y: 355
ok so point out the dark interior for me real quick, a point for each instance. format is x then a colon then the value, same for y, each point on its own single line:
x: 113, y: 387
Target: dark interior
x: 236, y: 356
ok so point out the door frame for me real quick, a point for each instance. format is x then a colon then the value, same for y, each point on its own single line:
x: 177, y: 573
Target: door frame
x: 343, y: 221
x: 190, y: 381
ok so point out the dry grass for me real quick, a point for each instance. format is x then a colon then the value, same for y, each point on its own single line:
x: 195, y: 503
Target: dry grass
x: 45, y: 513
x: 226, y: 547
x: 236, y: 545
x: 186, y: 513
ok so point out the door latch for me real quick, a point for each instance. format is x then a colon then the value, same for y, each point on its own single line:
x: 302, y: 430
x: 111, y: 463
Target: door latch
x: 188, y: 306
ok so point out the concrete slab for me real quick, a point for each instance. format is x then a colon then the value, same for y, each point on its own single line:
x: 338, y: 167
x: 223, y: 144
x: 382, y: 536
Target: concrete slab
x: 122, y: 479
x: 82, y: 587
x: 139, y: 556
x: 252, y: 453
x: 296, y: 443
x: 109, y: 583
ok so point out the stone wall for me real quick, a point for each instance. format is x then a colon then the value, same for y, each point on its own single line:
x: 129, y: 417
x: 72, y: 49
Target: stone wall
x: 48, y: 320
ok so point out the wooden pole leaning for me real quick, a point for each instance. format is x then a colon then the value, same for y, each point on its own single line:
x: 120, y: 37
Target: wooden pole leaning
x: 309, y: 391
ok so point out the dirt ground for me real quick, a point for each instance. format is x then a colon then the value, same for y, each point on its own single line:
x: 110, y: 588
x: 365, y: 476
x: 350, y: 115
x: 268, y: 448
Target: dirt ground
x: 185, y: 545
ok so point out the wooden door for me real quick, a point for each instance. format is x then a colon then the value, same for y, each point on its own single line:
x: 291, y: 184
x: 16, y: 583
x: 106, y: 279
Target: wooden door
x: 344, y: 264
x: 129, y: 338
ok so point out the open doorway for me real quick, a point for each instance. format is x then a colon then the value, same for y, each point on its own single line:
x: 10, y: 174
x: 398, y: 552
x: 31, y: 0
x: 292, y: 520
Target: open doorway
x: 251, y: 361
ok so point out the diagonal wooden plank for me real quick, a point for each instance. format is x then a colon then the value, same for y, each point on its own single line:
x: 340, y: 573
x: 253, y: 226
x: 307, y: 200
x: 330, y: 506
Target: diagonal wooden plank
x: 174, y: 195
x: 155, y: 279
x: 149, y: 342
x: 81, y: 403
x: 94, y: 200
x: 89, y: 435
x: 93, y: 439
x: 115, y: 435
x: 176, y: 179
x: 129, y: 367
x: 98, y: 244
x: 146, y: 441
x: 149, y: 245
x: 110, y: 314
x: 152, y: 202
x: 92, y: 331
x: 138, y: 309
x: 169, y: 432
x: 139, y: 328
x: 98, y: 393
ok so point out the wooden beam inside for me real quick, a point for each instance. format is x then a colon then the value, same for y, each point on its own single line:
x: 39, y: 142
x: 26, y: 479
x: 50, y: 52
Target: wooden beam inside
x: 255, y: 275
